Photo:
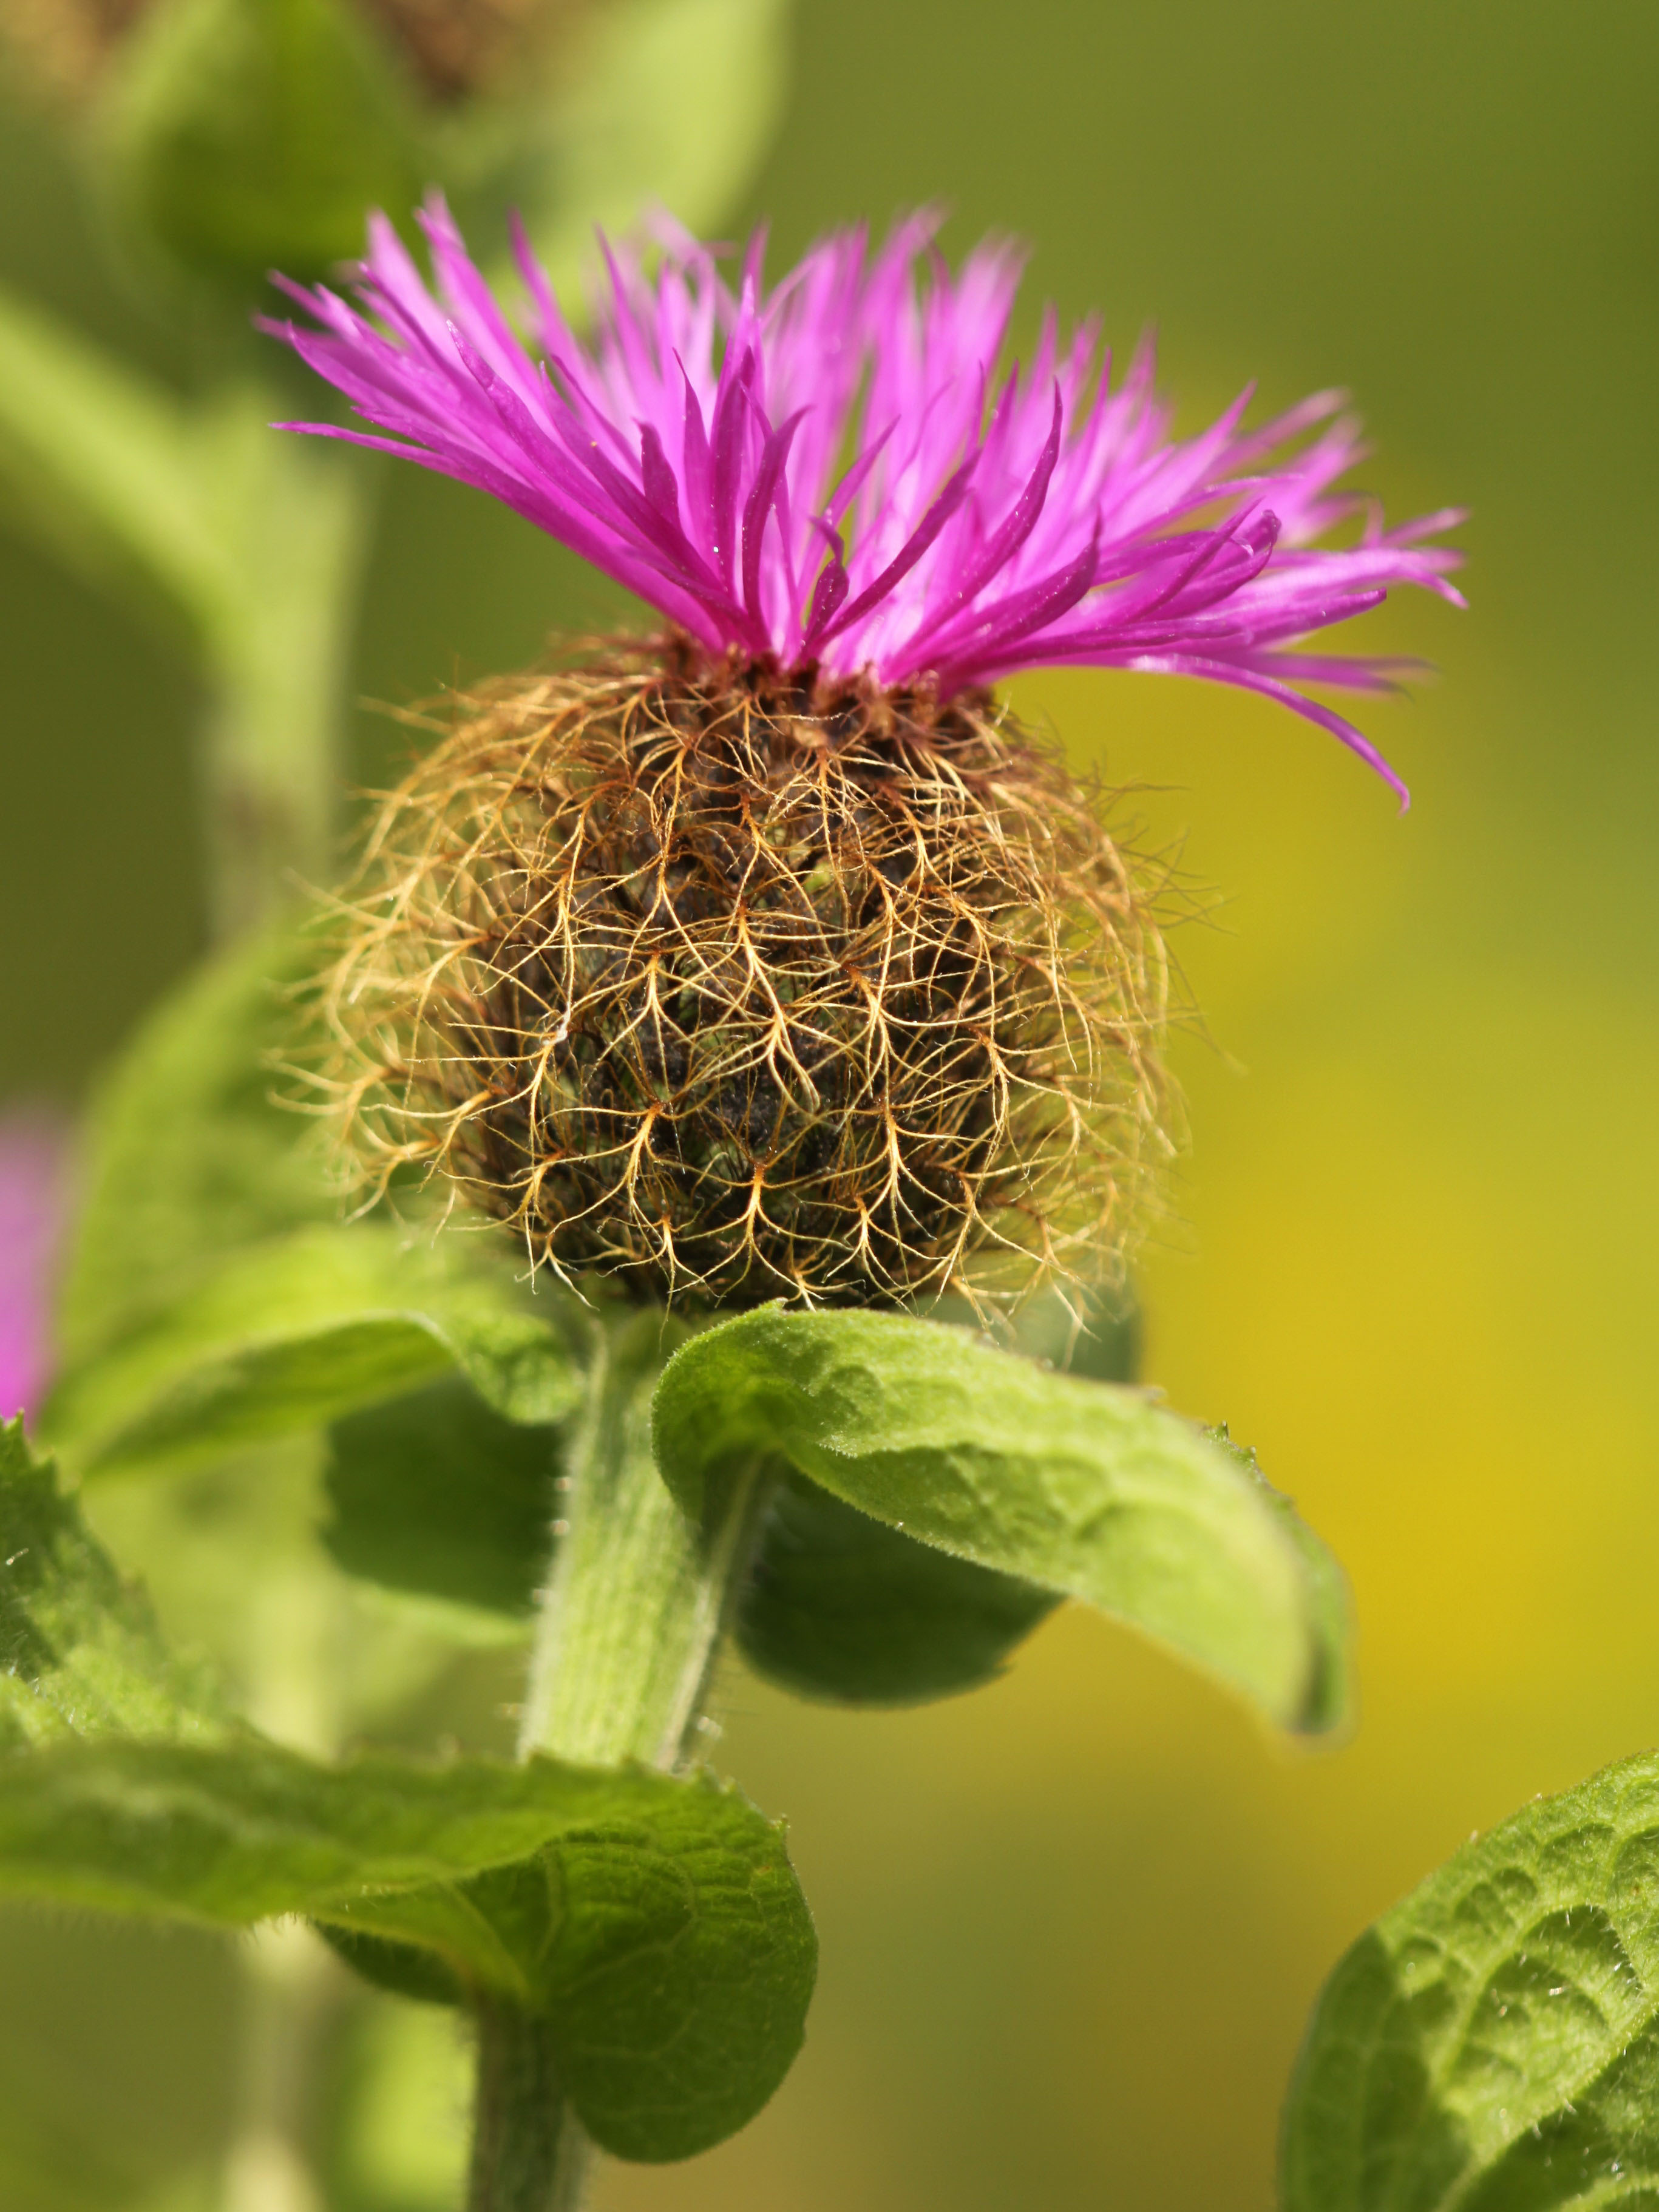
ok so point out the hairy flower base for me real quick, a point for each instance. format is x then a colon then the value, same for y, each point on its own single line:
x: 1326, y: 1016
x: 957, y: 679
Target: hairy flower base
x: 734, y: 990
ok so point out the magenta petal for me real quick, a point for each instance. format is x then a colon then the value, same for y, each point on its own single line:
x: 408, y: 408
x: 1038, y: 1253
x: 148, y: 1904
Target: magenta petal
x: 769, y: 482
x: 974, y: 528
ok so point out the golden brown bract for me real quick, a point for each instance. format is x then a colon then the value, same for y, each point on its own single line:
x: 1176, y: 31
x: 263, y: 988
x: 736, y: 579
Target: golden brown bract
x: 736, y: 991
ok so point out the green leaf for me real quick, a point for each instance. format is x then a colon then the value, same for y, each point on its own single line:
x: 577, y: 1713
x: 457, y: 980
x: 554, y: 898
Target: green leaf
x: 664, y: 102
x: 185, y: 1155
x: 673, y: 1953
x: 289, y: 1335
x: 840, y: 1607
x: 256, y: 134
x: 80, y: 1652
x: 656, y: 1922
x: 1331, y: 1689
x: 1492, y: 2044
x: 438, y: 1495
x: 1082, y: 1488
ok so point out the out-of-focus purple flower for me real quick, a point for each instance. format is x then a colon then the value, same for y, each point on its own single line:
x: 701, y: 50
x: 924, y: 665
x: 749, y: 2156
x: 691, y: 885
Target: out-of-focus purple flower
x: 830, y: 471
x: 31, y: 1215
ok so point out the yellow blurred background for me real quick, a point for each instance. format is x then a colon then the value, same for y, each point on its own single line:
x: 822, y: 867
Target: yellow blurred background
x: 1071, y: 1925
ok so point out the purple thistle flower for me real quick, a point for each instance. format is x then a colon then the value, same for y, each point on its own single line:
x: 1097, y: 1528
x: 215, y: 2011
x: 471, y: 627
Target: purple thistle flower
x: 829, y: 473
x: 31, y: 1213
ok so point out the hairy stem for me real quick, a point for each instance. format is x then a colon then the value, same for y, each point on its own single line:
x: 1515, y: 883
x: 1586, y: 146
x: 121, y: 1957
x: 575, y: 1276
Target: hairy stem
x: 629, y: 1624
x: 636, y: 1599
x: 529, y: 2154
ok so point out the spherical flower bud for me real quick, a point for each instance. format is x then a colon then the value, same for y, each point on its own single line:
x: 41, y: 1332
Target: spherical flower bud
x: 771, y: 956
x: 735, y: 985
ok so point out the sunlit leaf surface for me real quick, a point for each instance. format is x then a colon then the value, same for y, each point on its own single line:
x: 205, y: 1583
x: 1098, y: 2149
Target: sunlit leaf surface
x: 1492, y: 2044
x: 1082, y: 1488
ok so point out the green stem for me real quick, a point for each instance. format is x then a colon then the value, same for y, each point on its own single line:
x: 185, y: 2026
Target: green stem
x: 290, y: 1984
x: 528, y: 2153
x: 275, y: 644
x: 268, y: 781
x: 629, y: 1625
x: 630, y: 1618
x: 288, y: 1994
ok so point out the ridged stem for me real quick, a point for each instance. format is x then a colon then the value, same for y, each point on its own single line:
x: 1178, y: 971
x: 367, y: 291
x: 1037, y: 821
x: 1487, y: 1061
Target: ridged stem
x: 629, y: 1628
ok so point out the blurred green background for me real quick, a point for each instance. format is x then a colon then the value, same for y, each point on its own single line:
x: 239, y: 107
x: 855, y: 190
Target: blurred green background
x: 1072, y: 1926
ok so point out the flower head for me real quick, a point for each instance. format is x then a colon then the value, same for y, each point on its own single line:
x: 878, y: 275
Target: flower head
x: 829, y: 475
x: 771, y: 955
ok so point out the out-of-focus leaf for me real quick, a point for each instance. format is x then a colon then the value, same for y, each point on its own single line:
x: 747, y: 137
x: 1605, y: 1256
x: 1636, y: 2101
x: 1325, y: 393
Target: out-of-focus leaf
x: 661, y: 102
x: 185, y: 1156
x: 1492, y: 2042
x: 437, y: 1494
x: 840, y: 1607
x: 131, y: 485
x: 289, y: 1335
x: 101, y: 461
x: 656, y: 1923
x: 255, y: 134
x: 1082, y: 1488
x: 245, y: 543
x: 80, y: 1651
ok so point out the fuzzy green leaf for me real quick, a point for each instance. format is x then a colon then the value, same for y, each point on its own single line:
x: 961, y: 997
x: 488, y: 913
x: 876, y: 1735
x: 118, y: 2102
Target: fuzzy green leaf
x: 437, y: 1495
x: 843, y: 1607
x: 80, y: 1651
x: 840, y: 1607
x: 1492, y: 2044
x: 256, y: 134
x: 673, y: 1953
x: 291, y: 1335
x: 1082, y: 1488
x: 656, y: 1922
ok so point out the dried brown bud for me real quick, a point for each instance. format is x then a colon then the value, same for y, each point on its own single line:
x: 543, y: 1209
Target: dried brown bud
x: 452, y: 48
x: 736, y: 992
x: 63, y: 46
x: 456, y: 47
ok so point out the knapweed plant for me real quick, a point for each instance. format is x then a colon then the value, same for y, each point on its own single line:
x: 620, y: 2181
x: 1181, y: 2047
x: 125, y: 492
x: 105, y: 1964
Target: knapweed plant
x: 739, y: 1049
